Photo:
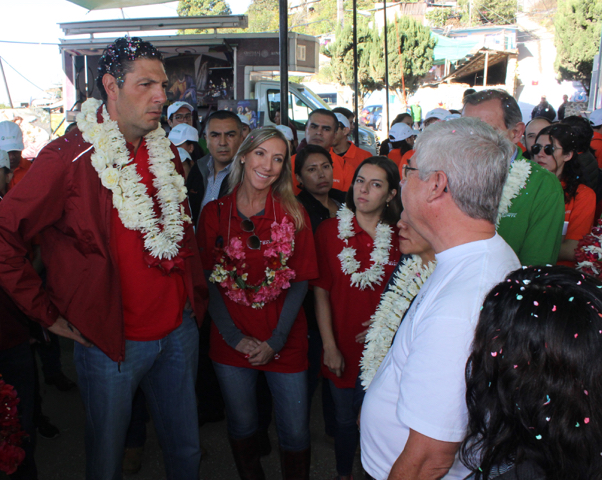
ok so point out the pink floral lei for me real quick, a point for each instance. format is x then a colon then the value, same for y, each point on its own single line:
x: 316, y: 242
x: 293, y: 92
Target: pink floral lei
x: 230, y: 268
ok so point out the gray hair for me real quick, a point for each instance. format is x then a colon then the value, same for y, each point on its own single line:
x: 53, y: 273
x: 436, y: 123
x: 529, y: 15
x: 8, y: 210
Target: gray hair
x: 475, y: 158
x: 510, y: 108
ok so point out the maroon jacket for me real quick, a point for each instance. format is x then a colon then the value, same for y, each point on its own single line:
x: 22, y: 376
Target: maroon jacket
x: 62, y: 198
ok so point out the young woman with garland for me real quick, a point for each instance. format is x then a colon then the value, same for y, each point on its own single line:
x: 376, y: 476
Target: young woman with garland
x: 357, y: 253
x: 533, y: 379
x: 258, y: 248
x: 415, y: 267
x: 555, y: 149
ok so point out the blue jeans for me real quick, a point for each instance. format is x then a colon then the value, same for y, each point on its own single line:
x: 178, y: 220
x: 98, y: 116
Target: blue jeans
x: 166, y: 371
x: 347, y: 434
x: 289, y: 393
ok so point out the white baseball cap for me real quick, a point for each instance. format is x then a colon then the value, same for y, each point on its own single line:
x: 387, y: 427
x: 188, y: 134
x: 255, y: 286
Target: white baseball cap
x: 439, y: 113
x: 453, y: 116
x: 184, y: 155
x: 183, y: 133
x: 288, y: 133
x: 4, y: 160
x: 400, y: 131
x: 343, y: 119
x: 11, y: 137
x: 174, y: 107
x: 244, y: 119
x: 596, y: 118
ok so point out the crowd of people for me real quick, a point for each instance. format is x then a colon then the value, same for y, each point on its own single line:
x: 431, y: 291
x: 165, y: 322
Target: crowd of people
x: 199, y: 287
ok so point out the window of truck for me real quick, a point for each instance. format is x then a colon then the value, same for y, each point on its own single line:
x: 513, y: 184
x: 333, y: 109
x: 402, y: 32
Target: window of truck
x: 298, y: 110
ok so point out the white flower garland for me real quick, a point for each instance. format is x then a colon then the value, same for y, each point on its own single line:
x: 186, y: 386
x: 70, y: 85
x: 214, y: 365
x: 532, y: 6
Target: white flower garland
x: 379, y: 255
x: 517, y: 179
x: 135, y: 207
x: 391, y: 309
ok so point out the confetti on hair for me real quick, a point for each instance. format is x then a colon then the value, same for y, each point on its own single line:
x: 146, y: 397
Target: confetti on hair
x: 536, y: 303
x: 538, y: 437
x: 547, y: 400
x: 515, y: 366
x: 586, y: 420
x: 526, y: 282
x: 579, y: 282
x: 547, y: 419
x: 519, y: 297
x: 554, y: 308
x: 586, y: 392
x: 571, y: 299
x: 577, y: 425
x: 576, y: 335
x: 494, y: 354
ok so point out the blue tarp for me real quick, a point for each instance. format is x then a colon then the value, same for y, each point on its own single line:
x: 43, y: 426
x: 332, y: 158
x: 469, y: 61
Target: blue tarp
x: 453, y: 49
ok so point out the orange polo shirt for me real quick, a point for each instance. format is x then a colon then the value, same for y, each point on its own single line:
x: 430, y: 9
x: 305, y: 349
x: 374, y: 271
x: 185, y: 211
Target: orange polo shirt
x: 19, y: 172
x: 338, y: 173
x: 352, y: 159
x: 400, y: 160
x: 596, y: 145
x: 578, y: 216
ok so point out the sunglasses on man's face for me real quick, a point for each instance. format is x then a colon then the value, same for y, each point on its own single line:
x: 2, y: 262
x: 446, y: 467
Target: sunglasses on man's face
x: 547, y: 149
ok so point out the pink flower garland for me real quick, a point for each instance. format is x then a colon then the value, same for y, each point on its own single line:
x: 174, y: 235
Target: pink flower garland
x: 588, y: 254
x: 229, y: 270
x: 11, y: 435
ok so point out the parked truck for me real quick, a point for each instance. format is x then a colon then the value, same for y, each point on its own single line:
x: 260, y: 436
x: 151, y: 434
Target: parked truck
x: 204, y: 69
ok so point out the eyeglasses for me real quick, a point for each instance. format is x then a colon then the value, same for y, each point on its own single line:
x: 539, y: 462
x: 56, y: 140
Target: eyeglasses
x: 406, y: 169
x: 180, y: 117
x: 548, y: 149
x: 253, y: 241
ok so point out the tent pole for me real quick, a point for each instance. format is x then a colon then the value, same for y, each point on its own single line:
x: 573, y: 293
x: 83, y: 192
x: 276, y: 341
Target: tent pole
x: 284, y: 62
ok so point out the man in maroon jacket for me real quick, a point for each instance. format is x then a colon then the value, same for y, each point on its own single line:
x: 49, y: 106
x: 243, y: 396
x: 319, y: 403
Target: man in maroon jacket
x: 123, y: 270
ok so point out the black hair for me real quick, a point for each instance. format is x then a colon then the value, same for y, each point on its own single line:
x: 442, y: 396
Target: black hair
x: 582, y: 129
x: 392, y: 211
x: 70, y: 127
x: 224, y: 115
x: 117, y: 60
x: 468, y: 91
x: 402, y: 145
x: 344, y: 111
x: 400, y: 118
x: 533, y: 376
x: 305, y: 152
x: 510, y: 109
x: 328, y: 113
x: 571, y: 172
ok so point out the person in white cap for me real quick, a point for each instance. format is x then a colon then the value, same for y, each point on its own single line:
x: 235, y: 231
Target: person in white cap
x: 596, y: 144
x: 246, y: 125
x: 184, y: 137
x: 11, y: 141
x: 351, y: 154
x: 179, y: 112
x: 436, y: 115
x: 288, y: 133
x: 402, y: 138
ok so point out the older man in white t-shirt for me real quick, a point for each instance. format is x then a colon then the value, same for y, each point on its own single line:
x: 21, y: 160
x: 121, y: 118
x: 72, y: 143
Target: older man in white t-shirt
x: 414, y: 414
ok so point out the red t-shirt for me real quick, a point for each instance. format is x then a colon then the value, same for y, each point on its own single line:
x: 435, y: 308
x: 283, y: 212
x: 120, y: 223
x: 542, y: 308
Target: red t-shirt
x: 596, y: 145
x: 221, y: 218
x: 338, y: 173
x: 352, y: 159
x: 578, y: 216
x: 350, y: 306
x: 153, y: 302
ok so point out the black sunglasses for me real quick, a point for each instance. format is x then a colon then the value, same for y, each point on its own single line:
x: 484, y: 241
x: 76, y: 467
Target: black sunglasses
x: 548, y: 149
x: 253, y: 241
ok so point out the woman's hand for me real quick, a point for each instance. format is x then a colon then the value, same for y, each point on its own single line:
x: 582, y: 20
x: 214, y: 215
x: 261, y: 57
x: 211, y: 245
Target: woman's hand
x: 361, y: 337
x: 247, y: 345
x: 261, y: 355
x: 333, y: 359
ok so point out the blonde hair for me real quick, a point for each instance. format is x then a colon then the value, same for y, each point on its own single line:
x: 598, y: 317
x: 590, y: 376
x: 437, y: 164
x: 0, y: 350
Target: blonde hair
x: 282, y: 188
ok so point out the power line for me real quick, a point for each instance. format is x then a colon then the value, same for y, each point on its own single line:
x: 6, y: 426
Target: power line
x: 28, y: 43
x: 4, y: 60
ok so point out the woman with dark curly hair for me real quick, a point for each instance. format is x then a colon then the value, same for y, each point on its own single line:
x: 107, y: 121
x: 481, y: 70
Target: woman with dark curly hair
x: 533, y: 379
x: 555, y: 149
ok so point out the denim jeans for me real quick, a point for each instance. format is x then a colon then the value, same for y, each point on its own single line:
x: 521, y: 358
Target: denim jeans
x: 289, y: 393
x: 347, y: 434
x: 166, y: 371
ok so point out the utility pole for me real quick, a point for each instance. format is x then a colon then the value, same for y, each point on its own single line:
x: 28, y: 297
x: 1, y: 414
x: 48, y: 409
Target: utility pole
x: 284, y: 62
x: 386, y: 66
x: 340, y: 13
x: 356, y: 135
x: 10, y: 100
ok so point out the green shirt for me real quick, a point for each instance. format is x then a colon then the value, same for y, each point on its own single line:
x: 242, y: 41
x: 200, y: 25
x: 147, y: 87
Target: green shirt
x: 533, y: 224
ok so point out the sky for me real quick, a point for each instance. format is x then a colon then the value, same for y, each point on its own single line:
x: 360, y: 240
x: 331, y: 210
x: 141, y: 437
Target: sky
x: 36, y: 21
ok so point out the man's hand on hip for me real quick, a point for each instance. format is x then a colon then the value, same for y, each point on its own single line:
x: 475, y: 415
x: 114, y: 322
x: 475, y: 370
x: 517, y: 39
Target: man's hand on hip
x: 63, y: 328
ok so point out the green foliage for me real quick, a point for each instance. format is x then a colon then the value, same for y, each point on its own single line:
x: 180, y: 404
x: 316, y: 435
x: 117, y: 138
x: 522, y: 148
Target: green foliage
x: 578, y: 27
x: 341, y: 56
x: 499, y: 12
x: 203, y: 8
x: 263, y: 16
x: 437, y: 17
x: 411, y: 48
